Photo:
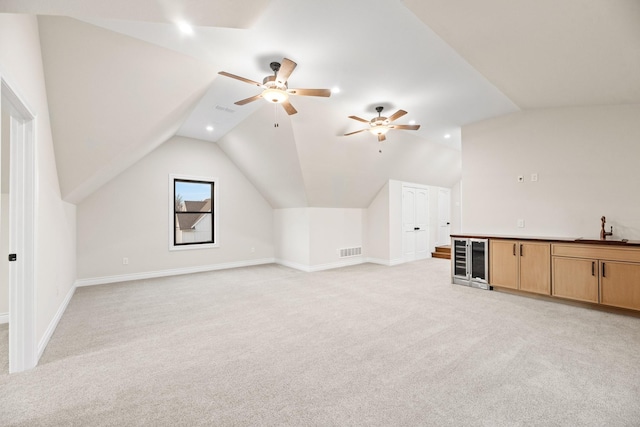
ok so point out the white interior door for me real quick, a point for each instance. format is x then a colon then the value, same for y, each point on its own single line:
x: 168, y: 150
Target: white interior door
x: 444, y: 216
x: 415, y: 223
x: 408, y: 223
x: 422, y: 223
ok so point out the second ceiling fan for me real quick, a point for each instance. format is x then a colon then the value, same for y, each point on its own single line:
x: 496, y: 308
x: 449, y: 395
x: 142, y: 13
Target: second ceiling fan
x: 381, y: 125
x: 275, y: 87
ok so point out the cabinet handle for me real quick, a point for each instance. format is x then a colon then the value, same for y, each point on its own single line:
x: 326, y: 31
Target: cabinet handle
x: 514, y: 249
x: 603, y: 273
x: 593, y: 268
x: 520, y: 250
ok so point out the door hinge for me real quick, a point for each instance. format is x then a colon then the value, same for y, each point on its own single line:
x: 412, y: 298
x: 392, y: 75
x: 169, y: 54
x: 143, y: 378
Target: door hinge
x: 13, y: 257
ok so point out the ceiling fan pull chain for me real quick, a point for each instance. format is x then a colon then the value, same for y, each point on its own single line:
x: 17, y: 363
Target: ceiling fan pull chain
x: 275, y: 116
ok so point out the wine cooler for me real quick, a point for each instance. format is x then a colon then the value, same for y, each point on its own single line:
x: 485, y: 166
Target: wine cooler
x: 470, y: 262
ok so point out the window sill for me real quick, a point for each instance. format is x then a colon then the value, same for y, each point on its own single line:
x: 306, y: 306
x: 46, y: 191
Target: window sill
x: 193, y: 247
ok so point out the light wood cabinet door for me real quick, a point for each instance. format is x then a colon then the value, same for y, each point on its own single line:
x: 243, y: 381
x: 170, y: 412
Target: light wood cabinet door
x: 535, y: 267
x: 620, y: 284
x: 575, y: 279
x: 503, y: 259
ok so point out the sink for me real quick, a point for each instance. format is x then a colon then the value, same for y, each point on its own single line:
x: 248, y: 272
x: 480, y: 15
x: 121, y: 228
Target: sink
x: 603, y: 242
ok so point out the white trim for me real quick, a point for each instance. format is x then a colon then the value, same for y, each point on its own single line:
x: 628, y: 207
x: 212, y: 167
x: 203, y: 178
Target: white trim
x: 44, y: 341
x: 295, y: 265
x: 172, y: 272
x: 22, y: 230
x: 321, y: 267
x: 388, y: 263
x: 4, y: 318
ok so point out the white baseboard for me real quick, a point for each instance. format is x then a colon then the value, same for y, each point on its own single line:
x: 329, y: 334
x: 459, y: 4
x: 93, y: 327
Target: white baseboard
x: 4, y: 318
x: 387, y: 262
x: 320, y: 267
x: 294, y: 265
x: 54, y: 323
x: 171, y: 272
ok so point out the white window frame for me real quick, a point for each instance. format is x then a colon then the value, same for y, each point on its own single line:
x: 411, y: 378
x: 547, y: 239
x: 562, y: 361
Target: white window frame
x: 215, y: 212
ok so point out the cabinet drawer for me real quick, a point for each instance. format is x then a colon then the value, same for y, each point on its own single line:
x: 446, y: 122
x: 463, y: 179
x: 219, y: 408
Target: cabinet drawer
x: 596, y: 252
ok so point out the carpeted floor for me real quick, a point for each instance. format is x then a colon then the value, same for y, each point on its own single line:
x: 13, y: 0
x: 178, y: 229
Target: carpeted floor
x: 362, y: 345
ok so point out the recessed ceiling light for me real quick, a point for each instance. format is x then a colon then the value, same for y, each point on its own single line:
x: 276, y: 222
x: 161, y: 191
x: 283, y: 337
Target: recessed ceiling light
x: 210, y: 128
x: 185, y: 27
x: 336, y: 89
x: 412, y: 122
x: 447, y: 136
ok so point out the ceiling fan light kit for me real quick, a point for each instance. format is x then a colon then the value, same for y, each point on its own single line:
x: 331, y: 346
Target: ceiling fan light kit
x: 380, y: 125
x: 274, y: 95
x: 275, y: 87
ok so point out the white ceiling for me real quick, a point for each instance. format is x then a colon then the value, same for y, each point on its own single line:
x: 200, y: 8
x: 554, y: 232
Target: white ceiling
x: 378, y: 52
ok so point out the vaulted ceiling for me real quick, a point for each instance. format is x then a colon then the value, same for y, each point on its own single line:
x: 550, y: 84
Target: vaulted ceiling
x: 121, y: 79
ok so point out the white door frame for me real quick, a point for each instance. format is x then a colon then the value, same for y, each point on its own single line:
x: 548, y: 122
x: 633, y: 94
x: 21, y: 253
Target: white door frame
x: 22, y: 205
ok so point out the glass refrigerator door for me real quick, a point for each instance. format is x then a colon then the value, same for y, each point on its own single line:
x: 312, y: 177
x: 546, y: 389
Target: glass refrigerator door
x: 479, y: 260
x: 460, y: 258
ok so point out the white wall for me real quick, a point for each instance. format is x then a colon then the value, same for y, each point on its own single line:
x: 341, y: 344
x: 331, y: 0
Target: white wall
x: 291, y: 237
x: 377, y: 234
x: 456, y: 205
x: 21, y: 66
x: 128, y: 217
x: 308, y: 238
x: 587, y: 161
x: 332, y: 229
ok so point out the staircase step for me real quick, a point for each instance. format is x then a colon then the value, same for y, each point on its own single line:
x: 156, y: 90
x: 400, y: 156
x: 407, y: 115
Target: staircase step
x: 440, y: 255
x: 443, y: 252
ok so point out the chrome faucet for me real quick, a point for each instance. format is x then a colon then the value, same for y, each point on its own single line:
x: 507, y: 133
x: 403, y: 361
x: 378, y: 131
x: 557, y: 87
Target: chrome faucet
x: 604, y: 234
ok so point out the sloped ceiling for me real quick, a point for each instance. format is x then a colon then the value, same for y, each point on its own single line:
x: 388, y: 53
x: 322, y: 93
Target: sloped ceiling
x: 112, y: 99
x: 124, y: 80
x: 545, y: 53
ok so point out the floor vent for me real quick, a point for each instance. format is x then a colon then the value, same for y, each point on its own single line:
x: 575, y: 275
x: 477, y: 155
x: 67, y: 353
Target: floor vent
x: 348, y: 252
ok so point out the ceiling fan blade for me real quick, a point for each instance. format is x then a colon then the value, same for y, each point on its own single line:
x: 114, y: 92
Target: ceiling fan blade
x: 405, y: 127
x: 248, y: 100
x: 397, y: 115
x: 242, y: 79
x: 358, y: 131
x: 310, y: 92
x: 359, y: 119
x: 381, y: 138
x: 289, y: 108
x: 286, y: 68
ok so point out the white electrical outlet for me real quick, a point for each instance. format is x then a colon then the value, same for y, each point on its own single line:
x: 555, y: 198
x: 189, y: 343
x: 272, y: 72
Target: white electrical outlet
x: 125, y: 261
x: 520, y: 178
x: 534, y: 177
x: 521, y: 223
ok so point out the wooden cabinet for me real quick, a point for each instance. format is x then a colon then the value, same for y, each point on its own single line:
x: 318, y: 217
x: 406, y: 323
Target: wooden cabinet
x: 600, y: 274
x: 575, y: 279
x: 520, y: 265
x: 620, y: 284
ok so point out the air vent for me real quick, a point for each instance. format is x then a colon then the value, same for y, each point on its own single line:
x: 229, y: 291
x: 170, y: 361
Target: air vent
x: 349, y: 252
x: 225, y: 109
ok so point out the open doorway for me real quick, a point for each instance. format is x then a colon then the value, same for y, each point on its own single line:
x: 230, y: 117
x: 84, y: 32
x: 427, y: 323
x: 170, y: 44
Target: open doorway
x: 17, y: 208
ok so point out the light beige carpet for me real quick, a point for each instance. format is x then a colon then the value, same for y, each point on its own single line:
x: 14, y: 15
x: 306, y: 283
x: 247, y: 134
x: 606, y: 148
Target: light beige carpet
x: 362, y: 345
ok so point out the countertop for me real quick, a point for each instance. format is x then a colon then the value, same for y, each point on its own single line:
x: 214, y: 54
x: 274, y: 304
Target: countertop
x: 577, y: 240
